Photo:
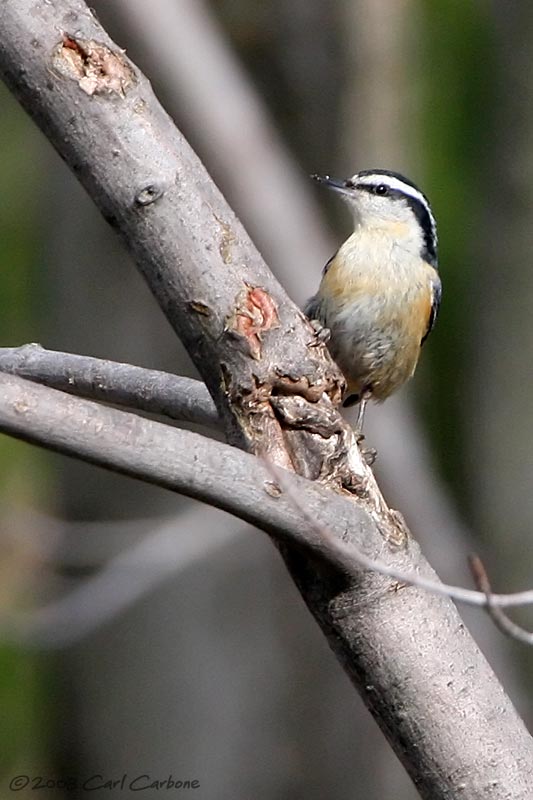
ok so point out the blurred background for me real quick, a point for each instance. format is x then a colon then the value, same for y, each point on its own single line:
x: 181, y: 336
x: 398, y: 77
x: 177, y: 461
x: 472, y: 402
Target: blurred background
x: 144, y: 633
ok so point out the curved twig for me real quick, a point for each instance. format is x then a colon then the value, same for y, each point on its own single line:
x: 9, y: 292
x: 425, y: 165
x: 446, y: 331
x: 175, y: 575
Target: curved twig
x: 494, y: 605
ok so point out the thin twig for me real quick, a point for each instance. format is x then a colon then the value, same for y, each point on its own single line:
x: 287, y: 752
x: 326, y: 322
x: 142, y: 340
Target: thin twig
x: 499, y: 617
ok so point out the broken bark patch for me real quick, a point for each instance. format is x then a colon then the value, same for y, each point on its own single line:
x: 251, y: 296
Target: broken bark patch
x: 255, y: 313
x: 96, y: 68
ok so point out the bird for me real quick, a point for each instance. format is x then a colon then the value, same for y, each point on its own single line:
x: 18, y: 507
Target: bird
x: 380, y: 293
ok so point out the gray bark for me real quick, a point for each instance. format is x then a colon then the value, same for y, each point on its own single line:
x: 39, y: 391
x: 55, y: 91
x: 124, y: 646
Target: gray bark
x: 417, y: 669
x: 147, y: 390
x: 147, y: 182
x: 408, y: 653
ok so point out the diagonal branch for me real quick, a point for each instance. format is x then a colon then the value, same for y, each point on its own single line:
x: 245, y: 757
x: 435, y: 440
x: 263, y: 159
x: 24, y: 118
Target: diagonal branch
x: 276, y: 390
x: 245, y: 336
x: 179, y: 460
x: 131, y: 445
x: 188, y: 400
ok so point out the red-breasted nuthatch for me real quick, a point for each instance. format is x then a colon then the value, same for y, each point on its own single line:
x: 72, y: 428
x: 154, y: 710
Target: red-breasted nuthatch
x: 380, y: 293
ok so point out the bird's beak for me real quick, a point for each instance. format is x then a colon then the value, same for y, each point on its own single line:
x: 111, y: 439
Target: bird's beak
x: 333, y: 183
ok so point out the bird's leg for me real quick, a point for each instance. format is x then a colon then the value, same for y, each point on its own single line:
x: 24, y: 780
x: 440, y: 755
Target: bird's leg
x: 368, y: 453
x: 365, y: 397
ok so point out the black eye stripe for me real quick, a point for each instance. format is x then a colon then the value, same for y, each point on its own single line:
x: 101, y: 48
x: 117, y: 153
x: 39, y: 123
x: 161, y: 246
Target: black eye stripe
x: 373, y: 188
x: 420, y: 208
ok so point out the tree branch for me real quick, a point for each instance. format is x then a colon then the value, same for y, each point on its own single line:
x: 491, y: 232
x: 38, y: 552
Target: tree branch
x: 159, y: 393
x: 493, y: 604
x: 245, y: 336
x: 276, y: 391
x: 371, y: 630
x: 148, y: 390
x: 173, y: 459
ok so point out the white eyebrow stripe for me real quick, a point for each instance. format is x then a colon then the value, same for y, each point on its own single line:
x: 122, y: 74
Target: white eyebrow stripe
x: 392, y: 183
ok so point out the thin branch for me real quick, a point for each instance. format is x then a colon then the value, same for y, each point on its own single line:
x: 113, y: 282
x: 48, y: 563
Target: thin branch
x: 499, y: 617
x: 148, y: 390
x: 342, y: 554
x: 467, y: 596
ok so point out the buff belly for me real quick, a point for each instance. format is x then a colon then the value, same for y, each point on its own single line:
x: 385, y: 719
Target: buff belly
x: 377, y: 322
x: 376, y: 349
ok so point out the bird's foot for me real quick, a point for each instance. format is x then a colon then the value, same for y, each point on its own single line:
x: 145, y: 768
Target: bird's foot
x: 369, y: 454
x: 322, y: 334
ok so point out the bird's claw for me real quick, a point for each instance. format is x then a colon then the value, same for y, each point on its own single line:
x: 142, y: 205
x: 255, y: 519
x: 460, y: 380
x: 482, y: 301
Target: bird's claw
x: 322, y: 334
x: 369, y: 454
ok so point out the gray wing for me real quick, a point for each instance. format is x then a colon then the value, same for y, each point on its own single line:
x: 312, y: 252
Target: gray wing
x: 436, y: 287
x: 313, y: 307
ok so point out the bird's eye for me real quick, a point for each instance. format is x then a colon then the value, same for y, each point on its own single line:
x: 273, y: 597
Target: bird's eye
x: 382, y: 189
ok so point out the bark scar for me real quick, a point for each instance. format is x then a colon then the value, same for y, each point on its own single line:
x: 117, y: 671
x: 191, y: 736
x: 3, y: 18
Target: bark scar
x: 96, y: 68
x: 255, y: 312
x: 227, y: 240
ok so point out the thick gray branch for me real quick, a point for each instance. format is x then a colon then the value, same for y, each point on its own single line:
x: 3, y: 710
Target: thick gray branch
x: 234, y: 130
x: 148, y: 390
x: 434, y: 693
x: 415, y: 666
x: 240, y: 328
